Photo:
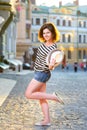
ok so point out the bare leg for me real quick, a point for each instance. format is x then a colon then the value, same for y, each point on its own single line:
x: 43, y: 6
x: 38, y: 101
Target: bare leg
x: 33, y: 93
x: 45, y: 110
x: 37, y: 90
x: 44, y: 107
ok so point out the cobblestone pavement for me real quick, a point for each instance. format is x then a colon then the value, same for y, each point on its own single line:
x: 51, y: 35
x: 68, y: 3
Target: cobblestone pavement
x: 19, y: 113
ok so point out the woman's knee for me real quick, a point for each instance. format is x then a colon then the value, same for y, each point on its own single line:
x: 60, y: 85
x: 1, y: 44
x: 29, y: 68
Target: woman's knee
x: 43, y: 101
x: 27, y: 94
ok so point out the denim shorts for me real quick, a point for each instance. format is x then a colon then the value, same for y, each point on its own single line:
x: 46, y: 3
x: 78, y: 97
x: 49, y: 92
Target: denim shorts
x: 42, y: 76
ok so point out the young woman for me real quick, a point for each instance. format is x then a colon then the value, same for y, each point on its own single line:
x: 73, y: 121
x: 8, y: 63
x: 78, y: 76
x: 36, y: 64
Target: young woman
x: 49, y: 35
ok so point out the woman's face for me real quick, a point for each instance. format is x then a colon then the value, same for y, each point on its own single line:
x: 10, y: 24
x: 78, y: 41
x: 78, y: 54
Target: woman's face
x: 47, y: 35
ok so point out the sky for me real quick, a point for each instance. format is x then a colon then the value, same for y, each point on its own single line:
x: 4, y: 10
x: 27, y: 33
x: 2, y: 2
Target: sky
x: 55, y: 2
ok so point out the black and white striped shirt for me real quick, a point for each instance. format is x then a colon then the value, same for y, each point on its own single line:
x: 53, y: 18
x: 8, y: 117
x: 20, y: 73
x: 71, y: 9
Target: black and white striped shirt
x: 40, y: 63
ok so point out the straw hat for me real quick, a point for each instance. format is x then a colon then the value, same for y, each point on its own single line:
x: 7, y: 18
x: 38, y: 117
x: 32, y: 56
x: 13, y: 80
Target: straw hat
x: 56, y: 54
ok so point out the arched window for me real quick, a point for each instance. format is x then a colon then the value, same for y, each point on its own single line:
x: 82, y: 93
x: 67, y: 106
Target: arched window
x: 64, y: 23
x: 84, y: 38
x: 80, y: 39
x: 63, y: 38
x: 37, y: 21
x: 32, y: 36
x: 36, y: 39
x: 69, y: 22
x: 32, y: 21
x: 69, y: 54
x: 80, y: 24
x: 80, y: 54
x: 69, y: 38
x: 84, y: 54
x: 84, y: 24
x: 44, y: 20
x: 58, y: 22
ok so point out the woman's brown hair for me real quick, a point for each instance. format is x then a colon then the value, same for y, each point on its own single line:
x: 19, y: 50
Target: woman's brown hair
x: 52, y: 28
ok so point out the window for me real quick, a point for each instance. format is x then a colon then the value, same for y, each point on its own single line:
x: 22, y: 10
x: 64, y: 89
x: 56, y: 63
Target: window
x: 58, y: 22
x: 36, y: 37
x: 69, y: 54
x: 32, y: 37
x: 80, y: 39
x: 69, y: 38
x: 79, y: 54
x: 64, y: 23
x: 37, y: 21
x: 80, y: 24
x: 44, y: 20
x: 84, y: 24
x: 63, y: 38
x: 84, y: 38
x: 84, y: 54
x: 32, y: 21
x: 69, y: 23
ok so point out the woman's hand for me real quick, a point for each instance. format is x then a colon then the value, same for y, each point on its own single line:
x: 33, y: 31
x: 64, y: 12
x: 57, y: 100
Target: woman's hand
x: 52, y: 64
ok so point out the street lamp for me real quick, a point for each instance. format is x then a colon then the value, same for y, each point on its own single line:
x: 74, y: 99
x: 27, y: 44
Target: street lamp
x: 77, y: 33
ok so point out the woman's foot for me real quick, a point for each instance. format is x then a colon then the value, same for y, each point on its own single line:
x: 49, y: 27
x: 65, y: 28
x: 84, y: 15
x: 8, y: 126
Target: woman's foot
x: 58, y: 98
x: 43, y: 123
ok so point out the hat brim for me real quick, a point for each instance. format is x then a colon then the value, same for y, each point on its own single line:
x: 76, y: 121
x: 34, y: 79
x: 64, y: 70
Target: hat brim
x: 56, y: 54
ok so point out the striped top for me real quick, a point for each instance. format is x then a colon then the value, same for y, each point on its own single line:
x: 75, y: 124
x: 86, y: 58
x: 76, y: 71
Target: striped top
x: 40, y: 63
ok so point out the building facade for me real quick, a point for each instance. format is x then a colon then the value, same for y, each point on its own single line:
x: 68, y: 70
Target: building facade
x: 23, y: 28
x: 71, y: 21
x: 7, y: 29
x: 15, y: 28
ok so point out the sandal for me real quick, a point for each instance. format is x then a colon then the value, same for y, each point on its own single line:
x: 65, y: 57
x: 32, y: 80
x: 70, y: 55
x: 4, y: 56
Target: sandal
x: 59, y: 98
x: 40, y: 124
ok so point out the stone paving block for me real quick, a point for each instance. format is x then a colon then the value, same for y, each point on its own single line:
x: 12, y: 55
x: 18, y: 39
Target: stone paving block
x: 19, y: 113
